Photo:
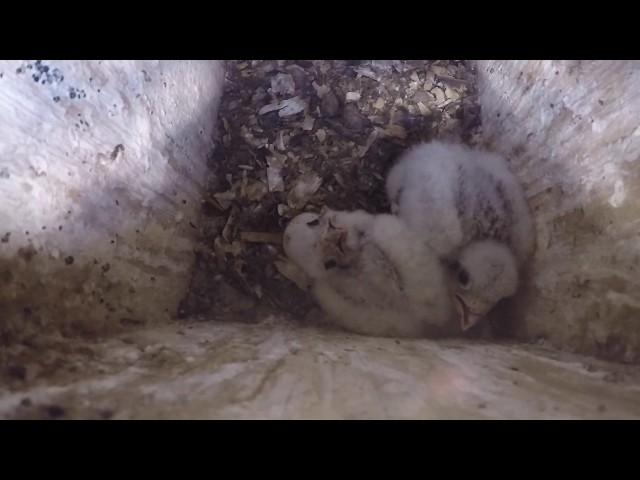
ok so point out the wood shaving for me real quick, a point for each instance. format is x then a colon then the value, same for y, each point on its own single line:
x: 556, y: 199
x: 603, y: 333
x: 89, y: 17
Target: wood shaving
x: 261, y: 237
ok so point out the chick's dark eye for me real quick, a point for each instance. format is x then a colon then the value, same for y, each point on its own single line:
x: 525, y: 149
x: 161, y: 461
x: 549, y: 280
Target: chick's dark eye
x: 314, y: 223
x: 329, y: 264
x: 463, y: 277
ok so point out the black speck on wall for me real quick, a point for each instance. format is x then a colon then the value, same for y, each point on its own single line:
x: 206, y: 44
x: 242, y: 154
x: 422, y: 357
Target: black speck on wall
x: 116, y: 151
x: 44, y: 74
x: 76, y: 93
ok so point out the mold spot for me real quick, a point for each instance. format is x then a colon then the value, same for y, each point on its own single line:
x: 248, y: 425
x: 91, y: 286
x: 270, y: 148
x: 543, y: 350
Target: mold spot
x: 6, y: 276
x: 18, y: 372
x: 76, y: 93
x: 27, y: 253
x: 106, y: 414
x: 130, y: 321
x: 68, y: 260
x: 44, y: 74
x: 54, y: 411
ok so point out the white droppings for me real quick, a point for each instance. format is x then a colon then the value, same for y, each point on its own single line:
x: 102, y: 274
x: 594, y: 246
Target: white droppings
x: 619, y: 194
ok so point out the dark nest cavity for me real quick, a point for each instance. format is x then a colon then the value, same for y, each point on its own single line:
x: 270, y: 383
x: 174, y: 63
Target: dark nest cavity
x: 298, y: 135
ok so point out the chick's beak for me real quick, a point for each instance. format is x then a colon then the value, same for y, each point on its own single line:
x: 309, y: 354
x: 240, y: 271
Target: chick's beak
x: 467, y: 318
x: 343, y: 237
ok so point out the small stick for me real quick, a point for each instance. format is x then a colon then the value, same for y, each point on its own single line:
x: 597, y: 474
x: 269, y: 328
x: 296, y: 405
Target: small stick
x: 261, y: 237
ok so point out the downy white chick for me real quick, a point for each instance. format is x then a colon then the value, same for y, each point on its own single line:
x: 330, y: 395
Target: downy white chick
x: 472, y: 211
x: 372, y: 275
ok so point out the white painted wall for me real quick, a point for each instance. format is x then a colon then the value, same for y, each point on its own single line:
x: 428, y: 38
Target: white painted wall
x: 572, y: 131
x: 103, y: 164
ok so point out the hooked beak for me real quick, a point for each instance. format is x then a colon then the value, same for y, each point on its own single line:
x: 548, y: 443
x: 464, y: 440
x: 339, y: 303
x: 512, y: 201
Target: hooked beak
x: 337, y: 234
x: 467, y: 318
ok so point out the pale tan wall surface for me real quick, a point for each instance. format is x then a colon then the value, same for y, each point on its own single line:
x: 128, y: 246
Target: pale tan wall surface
x: 103, y: 164
x: 572, y: 132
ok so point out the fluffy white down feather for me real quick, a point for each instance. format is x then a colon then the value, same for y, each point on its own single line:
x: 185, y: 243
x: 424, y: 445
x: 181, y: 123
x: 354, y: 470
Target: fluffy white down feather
x: 471, y: 210
x: 371, y: 274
